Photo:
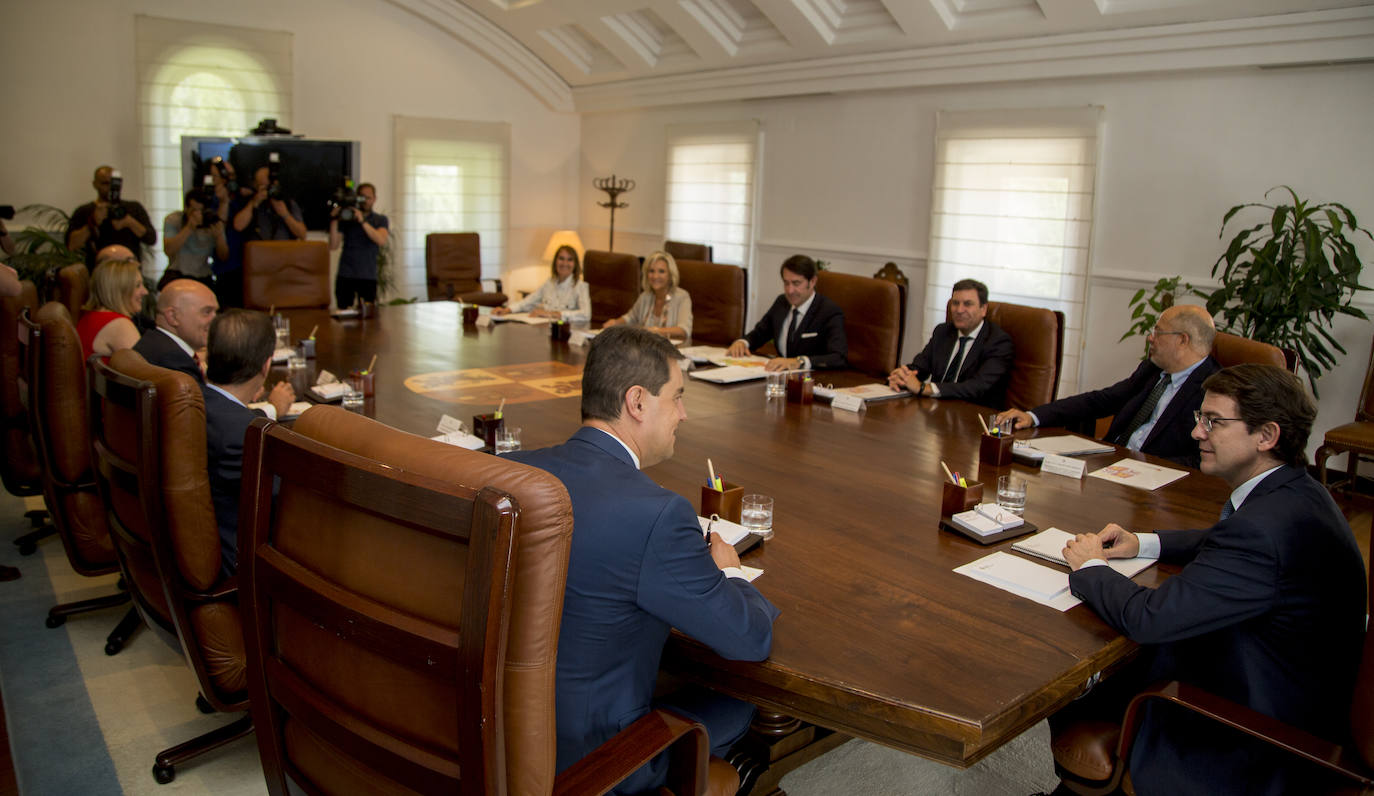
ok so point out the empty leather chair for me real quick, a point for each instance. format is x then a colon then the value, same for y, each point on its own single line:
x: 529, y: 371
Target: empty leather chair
x: 61, y: 429
x: 688, y: 251
x: 613, y: 281
x: 389, y: 599
x: 718, y: 296
x: 73, y: 288
x: 1038, y: 335
x: 893, y: 274
x: 150, y: 449
x: 1356, y: 439
x: 19, y: 466
x: 453, y: 269
x: 1230, y: 349
x: 872, y: 319
x: 286, y: 273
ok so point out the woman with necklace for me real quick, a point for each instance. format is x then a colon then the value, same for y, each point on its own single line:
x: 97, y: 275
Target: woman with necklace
x: 662, y: 306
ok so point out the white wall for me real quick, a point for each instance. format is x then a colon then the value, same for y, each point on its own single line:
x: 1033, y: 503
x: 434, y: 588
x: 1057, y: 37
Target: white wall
x: 847, y: 178
x: 70, y: 91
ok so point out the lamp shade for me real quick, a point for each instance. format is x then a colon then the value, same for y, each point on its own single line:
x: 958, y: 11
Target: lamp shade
x: 561, y: 238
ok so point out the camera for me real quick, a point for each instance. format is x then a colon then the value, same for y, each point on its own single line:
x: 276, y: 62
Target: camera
x: 348, y: 201
x: 222, y: 169
x: 209, y: 201
x: 117, y: 208
x: 274, y: 189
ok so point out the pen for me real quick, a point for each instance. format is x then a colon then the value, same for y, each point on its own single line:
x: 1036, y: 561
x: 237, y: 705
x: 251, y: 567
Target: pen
x: 984, y: 425
x: 952, y: 479
x: 501, y: 407
x: 711, y: 469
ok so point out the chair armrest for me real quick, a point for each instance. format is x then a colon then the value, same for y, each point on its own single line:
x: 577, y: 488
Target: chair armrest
x: 1251, y: 722
x: 636, y: 745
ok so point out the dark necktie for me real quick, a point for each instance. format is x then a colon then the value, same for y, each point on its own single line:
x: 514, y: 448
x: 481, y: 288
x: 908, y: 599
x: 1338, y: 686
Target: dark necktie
x: 1146, y: 409
x: 956, y: 364
x: 1228, y: 510
x: 792, y: 332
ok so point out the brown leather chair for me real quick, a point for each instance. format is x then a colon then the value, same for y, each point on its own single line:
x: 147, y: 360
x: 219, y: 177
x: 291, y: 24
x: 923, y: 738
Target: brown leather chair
x: 1088, y: 754
x: 1356, y: 439
x: 56, y: 380
x: 700, y: 252
x: 718, y: 297
x: 393, y: 611
x: 453, y: 269
x: 150, y: 449
x: 872, y: 319
x: 893, y: 274
x: 1038, y: 335
x: 1229, y: 349
x: 613, y: 282
x: 19, y: 467
x: 73, y: 288
x: 286, y: 273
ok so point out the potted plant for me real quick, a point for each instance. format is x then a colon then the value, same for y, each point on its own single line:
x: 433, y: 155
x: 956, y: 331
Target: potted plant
x: 41, y: 247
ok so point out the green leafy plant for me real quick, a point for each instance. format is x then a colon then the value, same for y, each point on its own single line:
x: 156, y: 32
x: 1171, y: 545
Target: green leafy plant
x: 1284, y: 279
x: 1147, y: 306
x: 42, y: 246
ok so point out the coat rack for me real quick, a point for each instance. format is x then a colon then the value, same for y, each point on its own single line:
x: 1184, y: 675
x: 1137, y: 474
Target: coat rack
x: 614, y: 188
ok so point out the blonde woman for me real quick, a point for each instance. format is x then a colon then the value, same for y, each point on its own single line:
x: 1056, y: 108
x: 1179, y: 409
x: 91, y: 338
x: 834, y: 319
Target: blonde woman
x: 106, y: 323
x: 662, y: 306
x: 564, y: 295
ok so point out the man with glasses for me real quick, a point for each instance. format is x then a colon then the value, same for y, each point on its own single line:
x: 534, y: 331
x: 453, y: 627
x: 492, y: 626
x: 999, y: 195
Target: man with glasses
x: 1153, y: 407
x: 1267, y: 612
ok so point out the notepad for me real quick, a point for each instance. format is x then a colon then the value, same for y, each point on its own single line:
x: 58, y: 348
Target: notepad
x: 460, y: 438
x: 292, y: 411
x: 1021, y: 577
x: 869, y: 393
x: 520, y: 317
x: 1049, y: 545
x: 742, y: 538
x: 702, y: 353
x: 729, y: 374
x: 1070, y: 445
x: 329, y: 392
x: 986, y: 519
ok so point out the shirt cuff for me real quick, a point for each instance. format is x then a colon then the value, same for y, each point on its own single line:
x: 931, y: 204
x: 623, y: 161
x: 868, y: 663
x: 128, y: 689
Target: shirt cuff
x: 934, y: 389
x: 805, y: 362
x: 1035, y: 421
x: 734, y: 572
x: 1093, y: 562
x: 1149, y: 545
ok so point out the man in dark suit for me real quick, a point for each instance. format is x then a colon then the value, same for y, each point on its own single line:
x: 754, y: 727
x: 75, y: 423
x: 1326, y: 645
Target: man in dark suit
x: 968, y: 357
x: 238, y: 358
x: 639, y: 565
x: 1268, y: 610
x: 1154, y: 406
x: 185, y: 309
x: 806, y: 327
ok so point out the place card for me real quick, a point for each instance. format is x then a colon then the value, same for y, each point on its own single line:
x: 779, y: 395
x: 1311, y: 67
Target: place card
x: 846, y: 401
x: 1063, y: 465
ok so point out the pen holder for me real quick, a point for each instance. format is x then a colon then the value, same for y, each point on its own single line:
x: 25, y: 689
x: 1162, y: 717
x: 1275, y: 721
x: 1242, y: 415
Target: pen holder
x: 960, y: 498
x: 369, y: 310
x: 727, y: 504
x: 560, y: 330
x: 361, y: 382
x: 308, y: 348
x: 470, y: 313
x: 800, y: 388
x: 485, y: 426
x: 995, y: 449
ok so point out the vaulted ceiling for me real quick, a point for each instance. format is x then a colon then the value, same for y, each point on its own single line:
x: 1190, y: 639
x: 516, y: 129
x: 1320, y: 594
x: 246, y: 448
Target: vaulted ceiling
x: 592, y: 54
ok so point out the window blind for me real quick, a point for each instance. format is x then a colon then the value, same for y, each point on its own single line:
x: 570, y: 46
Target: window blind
x: 711, y: 188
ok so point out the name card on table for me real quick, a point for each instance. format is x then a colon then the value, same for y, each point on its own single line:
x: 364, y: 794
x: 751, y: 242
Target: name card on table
x: 484, y: 321
x: 1063, y: 465
x: 852, y: 403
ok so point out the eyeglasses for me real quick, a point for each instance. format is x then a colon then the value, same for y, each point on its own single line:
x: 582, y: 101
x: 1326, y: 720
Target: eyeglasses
x: 1156, y: 332
x: 1207, y: 421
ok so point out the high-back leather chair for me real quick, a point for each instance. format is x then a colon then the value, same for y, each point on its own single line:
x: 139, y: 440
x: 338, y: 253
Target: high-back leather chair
x: 680, y: 250
x: 613, y: 282
x: 718, y: 297
x: 286, y: 273
x: 1356, y: 439
x: 872, y: 319
x: 1038, y: 335
x: 73, y: 288
x: 1230, y: 349
x: 19, y: 467
x: 893, y: 274
x: 453, y: 269
x: 150, y: 451
x: 61, y: 428
x: 367, y: 579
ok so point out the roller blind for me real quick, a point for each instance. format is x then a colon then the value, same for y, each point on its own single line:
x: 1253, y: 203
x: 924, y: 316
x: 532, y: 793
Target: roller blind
x: 711, y: 185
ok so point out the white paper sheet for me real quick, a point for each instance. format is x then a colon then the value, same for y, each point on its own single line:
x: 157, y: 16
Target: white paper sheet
x: 1069, y: 445
x: 1141, y: 475
x: 1020, y: 577
x: 1049, y: 545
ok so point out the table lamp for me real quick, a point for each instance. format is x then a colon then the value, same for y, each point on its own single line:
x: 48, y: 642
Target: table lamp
x: 561, y: 238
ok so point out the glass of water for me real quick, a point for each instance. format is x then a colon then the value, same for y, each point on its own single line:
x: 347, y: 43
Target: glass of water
x: 756, y: 515
x: 283, y: 326
x: 507, y: 439
x: 776, y: 386
x: 353, y: 401
x: 1011, y: 493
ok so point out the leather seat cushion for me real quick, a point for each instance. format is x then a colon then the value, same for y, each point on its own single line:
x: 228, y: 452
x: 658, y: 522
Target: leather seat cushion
x: 1087, y: 749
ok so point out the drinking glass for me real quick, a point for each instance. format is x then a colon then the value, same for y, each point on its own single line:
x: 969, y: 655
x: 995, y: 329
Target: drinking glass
x: 776, y: 386
x: 353, y: 401
x: 1011, y: 493
x: 757, y: 515
x: 283, y: 326
x: 507, y: 439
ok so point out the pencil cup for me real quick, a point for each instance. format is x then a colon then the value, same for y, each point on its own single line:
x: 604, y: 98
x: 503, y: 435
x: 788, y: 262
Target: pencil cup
x: 800, y: 387
x: 470, y: 313
x: 362, y: 382
x: 485, y: 426
x: 308, y: 347
x: 560, y: 330
x: 960, y: 498
x: 727, y: 504
x: 995, y: 450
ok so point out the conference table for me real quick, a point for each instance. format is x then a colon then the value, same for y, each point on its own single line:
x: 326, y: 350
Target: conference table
x: 877, y: 637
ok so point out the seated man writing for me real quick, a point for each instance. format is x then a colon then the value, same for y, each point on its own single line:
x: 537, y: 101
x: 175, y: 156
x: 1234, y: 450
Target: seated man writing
x: 806, y: 327
x: 968, y: 356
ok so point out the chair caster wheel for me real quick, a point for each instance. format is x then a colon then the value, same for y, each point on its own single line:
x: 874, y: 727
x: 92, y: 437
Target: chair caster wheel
x: 113, y: 647
x: 203, y: 705
x: 28, y: 548
x: 55, y: 621
x: 164, y: 774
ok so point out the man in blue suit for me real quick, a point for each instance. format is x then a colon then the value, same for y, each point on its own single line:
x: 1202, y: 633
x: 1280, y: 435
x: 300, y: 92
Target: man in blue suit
x: 639, y: 565
x: 1268, y: 610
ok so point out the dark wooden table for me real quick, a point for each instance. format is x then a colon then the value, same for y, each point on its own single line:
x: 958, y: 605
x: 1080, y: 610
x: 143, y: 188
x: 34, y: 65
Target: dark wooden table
x: 877, y: 636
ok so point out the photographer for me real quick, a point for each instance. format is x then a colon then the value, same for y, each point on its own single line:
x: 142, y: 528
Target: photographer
x: 362, y: 234
x: 109, y: 219
x: 6, y: 242
x: 269, y: 215
x: 193, y: 235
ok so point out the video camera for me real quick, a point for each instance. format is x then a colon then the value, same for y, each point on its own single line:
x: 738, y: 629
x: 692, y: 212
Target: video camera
x: 274, y: 189
x: 117, y: 208
x: 348, y: 201
x: 208, y: 200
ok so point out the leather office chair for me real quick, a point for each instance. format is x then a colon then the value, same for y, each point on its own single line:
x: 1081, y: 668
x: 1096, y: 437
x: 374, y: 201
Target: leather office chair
x: 893, y: 274
x: 700, y: 252
x: 57, y: 403
x: 453, y: 269
x: 1229, y: 349
x: 286, y: 273
x: 325, y: 621
x: 73, y: 288
x: 19, y: 466
x: 150, y: 449
x: 872, y: 319
x: 718, y: 296
x: 1038, y: 335
x: 613, y: 282
x: 1355, y: 439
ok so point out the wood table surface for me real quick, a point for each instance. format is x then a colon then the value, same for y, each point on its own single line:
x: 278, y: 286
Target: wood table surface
x: 877, y: 636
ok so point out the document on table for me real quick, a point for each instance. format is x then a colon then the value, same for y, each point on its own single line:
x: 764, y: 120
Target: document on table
x: 1049, y: 545
x: 1069, y: 445
x: 1022, y: 578
x: 702, y: 353
x: 746, y: 361
x: 1141, y: 475
x: 729, y: 374
x: 869, y: 393
x: 292, y: 411
x: 460, y: 438
x: 520, y: 317
x: 733, y: 533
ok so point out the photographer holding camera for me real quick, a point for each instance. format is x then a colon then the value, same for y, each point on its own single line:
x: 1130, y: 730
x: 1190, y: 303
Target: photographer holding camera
x: 269, y: 215
x: 362, y: 234
x: 194, y: 234
x: 109, y: 219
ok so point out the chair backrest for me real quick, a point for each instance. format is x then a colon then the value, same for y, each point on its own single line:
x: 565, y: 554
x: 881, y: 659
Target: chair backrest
x: 893, y: 274
x: 872, y: 319
x: 1362, y: 706
x: 688, y: 251
x: 61, y: 430
x: 1230, y: 349
x: 404, y: 536
x: 73, y: 288
x: 453, y: 264
x: 718, y: 297
x: 613, y: 282
x: 19, y: 468
x: 286, y: 273
x: 1364, y: 411
x: 1038, y: 335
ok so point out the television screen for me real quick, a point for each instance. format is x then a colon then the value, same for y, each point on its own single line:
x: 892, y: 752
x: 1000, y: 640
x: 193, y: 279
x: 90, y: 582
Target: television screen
x: 310, y: 169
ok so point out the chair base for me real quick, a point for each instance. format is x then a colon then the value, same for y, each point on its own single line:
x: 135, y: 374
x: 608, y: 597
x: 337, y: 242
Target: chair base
x: 28, y: 543
x: 57, y: 617
x: 164, y: 765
